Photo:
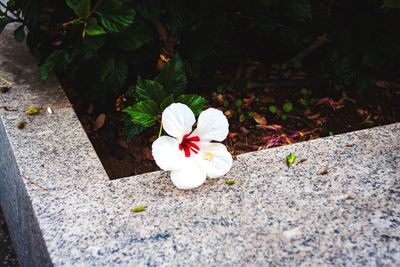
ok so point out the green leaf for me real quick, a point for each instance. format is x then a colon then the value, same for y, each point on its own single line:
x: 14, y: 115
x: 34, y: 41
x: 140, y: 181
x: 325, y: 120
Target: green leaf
x: 115, y: 15
x: 138, y: 208
x: 173, y: 76
x: 290, y: 159
x: 3, y: 23
x: 194, y: 102
x: 144, y: 112
x: 391, y: 3
x: 239, y: 103
x: 32, y: 111
x: 57, y: 59
x: 93, y: 29
x: 230, y: 182
x: 273, y: 109
x: 135, y: 36
x: 300, y: 9
x: 82, y: 9
x: 287, y: 107
x: 149, y: 90
x: 19, y: 34
x: 148, y: 9
x: 72, y: 3
x: 95, y: 42
x: 113, y: 72
x: 284, y: 117
x: 133, y: 129
x: 166, y: 102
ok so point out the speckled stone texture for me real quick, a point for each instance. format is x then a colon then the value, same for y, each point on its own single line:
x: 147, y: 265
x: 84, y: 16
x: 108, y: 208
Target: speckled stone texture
x: 339, y: 207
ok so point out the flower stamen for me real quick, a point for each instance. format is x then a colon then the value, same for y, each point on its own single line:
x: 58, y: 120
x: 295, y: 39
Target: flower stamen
x: 188, y: 145
x: 208, y: 155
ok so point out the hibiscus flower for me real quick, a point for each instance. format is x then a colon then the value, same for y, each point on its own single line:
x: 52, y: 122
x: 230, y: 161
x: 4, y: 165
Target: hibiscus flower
x: 189, y: 154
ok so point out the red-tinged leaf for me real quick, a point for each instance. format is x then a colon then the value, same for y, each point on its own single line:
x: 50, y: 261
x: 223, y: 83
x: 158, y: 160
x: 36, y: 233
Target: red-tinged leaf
x: 232, y: 134
x: 325, y: 101
x: 274, y: 127
x: 248, y: 101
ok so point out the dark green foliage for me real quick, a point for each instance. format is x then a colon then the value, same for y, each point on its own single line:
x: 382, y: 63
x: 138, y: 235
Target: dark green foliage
x: 108, y: 44
x: 149, y: 90
x: 57, y: 59
x: 153, y: 96
x: 143, y: 112
x: 173, y: 77
x: 391, y: 3
x: 113, y: 71
x: 19, y: 34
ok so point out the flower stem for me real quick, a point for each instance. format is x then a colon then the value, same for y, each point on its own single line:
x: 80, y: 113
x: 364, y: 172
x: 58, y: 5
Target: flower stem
x: 161, y: 127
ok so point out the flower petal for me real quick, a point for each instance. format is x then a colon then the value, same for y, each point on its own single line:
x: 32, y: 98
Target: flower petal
x: 177, y: 120
x: 216, y: 160
x: 212, y: 125
x: 190, y: 176
x: 166, y: 153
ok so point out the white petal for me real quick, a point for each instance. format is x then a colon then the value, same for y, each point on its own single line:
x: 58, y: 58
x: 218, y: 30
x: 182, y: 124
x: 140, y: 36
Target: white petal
x: 177, y: 120
x: 212, y: 125
x: 216, y: 159
x: 166, y: 153
x: 190, y: 176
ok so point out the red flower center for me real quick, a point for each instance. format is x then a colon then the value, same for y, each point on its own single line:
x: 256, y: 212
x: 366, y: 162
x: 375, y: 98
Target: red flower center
x: 188, y: 145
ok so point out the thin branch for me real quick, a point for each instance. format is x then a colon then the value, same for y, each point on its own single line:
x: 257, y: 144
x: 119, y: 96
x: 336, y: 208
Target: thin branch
x: 168, y: 41
x: 321, y: 40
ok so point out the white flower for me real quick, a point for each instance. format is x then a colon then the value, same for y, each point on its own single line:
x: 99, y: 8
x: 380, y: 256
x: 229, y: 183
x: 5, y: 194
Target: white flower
x: 190, y: 155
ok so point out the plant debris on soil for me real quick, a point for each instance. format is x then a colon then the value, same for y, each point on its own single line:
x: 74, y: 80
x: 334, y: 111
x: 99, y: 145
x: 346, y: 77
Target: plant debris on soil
x: 260, y: 117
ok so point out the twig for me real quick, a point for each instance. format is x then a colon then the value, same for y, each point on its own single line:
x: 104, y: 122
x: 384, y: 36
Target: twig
x: 317, y: 43
x: 8, y: 109
x: 168, y: 41
x: 32, y: 182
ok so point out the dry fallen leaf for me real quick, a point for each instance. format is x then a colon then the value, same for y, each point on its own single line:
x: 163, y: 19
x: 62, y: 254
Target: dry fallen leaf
x: 232, y: 134
x: 273, y: 127
x: 99, y: 122
x: 260, y: 119
x: 148, y: 154
x: 324, y: 172
x: 123, y: 144
x: 362, y: 112
x: 228, y: 113
x: 21, y: 124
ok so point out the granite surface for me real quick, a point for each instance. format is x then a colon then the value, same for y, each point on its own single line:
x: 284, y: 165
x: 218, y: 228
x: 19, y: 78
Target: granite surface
x: 338, y: 207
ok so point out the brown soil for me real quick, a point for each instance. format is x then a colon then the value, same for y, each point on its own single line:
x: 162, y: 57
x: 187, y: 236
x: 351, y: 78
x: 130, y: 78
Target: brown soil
x: 317, y: 112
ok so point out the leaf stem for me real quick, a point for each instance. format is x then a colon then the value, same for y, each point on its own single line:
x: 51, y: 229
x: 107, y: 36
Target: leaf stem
x: 161, y: 128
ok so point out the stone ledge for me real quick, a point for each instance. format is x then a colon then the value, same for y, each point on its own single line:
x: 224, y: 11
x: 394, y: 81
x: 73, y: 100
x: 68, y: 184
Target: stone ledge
x: 62, y: 209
